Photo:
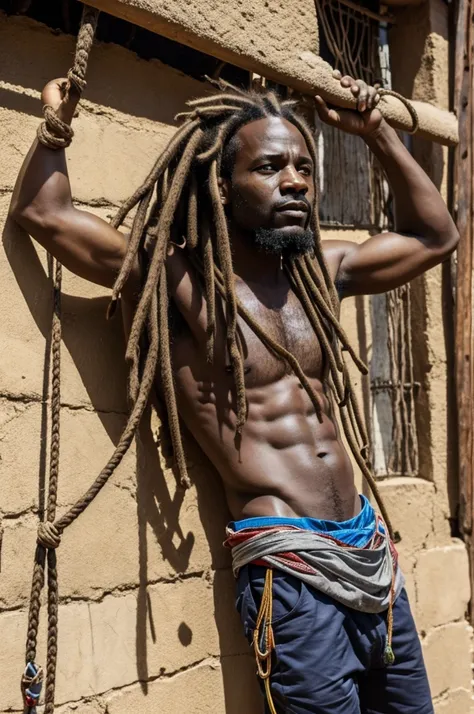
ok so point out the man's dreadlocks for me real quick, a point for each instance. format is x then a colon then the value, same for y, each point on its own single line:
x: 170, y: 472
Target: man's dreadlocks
x: 183, y: 181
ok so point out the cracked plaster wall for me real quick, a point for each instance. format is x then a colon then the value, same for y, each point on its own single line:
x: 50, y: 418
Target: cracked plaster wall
x: 146, y: 616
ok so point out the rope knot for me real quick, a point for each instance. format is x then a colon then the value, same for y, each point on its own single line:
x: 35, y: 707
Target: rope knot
x: 53, y: 132
x: 48, y: 535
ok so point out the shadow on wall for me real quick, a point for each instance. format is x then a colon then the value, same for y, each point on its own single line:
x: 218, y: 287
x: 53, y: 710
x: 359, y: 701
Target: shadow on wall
x: 86, y: 333
x: 161, y: 510
x: 116, y: 78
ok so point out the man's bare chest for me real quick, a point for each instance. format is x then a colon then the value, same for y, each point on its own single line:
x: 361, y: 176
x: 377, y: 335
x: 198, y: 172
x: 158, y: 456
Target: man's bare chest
x: 284, y: 322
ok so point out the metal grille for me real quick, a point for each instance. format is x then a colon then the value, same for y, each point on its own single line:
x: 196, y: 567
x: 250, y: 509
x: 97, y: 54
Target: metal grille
x: 358, y: 195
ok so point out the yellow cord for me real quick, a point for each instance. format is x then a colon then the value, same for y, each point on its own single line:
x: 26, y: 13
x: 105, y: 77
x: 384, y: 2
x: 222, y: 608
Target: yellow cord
x: 264, y: 627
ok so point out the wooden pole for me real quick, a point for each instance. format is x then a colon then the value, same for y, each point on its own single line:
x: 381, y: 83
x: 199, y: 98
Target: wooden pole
x: 464, y: 171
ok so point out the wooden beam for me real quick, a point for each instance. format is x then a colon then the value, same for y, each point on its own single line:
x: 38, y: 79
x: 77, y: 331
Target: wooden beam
x: 464, y: 200
x: 255, y: 51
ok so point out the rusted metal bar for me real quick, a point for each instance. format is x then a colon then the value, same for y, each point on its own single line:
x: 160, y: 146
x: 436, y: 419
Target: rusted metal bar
x: 369, y: 13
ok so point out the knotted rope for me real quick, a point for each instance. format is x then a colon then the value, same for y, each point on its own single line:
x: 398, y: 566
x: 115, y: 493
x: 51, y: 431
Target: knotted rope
x: 55, y: 134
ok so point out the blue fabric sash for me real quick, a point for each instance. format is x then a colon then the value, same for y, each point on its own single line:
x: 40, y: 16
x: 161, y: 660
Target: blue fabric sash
x: 356, y: 531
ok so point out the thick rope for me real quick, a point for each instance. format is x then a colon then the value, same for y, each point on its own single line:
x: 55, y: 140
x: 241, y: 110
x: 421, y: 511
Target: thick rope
x: 54, y: 134
x: 406, y: 103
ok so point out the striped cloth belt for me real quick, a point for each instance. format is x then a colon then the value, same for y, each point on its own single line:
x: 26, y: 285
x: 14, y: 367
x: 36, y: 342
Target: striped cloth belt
x: 366, y: 579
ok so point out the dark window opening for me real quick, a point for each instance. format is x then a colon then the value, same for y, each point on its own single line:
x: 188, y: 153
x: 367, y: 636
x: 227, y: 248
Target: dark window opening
x: 65, y: 15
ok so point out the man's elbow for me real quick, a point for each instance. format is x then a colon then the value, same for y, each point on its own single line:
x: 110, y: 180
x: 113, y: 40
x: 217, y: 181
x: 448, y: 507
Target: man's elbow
x: 33, y: 218
x: 15, y: 212
x: 443, y: 243
x: 451, y: 242
x: 25, y: 215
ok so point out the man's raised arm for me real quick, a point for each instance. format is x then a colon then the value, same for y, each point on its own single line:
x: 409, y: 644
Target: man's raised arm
x: 42, y: 205
x: 425, y: 232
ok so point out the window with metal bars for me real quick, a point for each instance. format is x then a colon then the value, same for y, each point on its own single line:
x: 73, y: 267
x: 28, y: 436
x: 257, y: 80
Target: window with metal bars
x: 354, y: 39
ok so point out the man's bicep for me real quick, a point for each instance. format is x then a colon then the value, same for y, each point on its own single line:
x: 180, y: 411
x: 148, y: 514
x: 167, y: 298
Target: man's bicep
x: 86, y: 245
x: 382, y: 263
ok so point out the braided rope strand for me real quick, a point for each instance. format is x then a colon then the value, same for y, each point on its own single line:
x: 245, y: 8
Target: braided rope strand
x: 55, y: 134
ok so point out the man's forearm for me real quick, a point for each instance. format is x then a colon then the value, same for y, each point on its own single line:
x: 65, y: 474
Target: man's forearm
x: 419, y: 208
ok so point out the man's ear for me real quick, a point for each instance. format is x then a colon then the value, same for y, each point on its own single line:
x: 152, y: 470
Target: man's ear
x: 224, y: 190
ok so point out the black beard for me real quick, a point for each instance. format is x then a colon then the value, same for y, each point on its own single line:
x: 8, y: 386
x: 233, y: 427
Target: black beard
x: 275, y: 241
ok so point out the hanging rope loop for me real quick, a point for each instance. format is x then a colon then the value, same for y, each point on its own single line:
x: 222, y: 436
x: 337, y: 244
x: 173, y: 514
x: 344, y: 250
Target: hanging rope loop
x: 406, y: 103
x: 48, y: 535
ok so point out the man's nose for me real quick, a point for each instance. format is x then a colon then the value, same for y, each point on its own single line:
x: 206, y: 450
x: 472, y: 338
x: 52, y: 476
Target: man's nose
x: 293, y: 182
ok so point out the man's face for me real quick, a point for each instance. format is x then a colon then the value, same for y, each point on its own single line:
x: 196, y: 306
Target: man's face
x: 272, y: 184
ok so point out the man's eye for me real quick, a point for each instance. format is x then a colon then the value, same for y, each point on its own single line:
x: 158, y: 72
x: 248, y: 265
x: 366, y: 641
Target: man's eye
x: 305, y: 170
x: 266, y: 167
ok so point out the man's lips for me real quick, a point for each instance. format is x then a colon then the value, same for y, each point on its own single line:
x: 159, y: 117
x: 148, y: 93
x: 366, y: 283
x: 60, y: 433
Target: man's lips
x: 293, y: 207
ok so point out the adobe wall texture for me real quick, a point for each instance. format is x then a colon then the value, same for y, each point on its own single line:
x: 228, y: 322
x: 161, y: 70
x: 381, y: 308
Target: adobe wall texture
x: 273, y: 39
x: 147, y: 620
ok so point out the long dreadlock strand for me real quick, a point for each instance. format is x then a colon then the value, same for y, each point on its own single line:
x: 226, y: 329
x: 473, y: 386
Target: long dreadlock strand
x: 322, y: 290
x: 215, y: 151
x: 192, y: 235
x: 333, y: 357
x: 317, y: 319
x: 361, y: 429
x: 276, y: 349
x: 210, y: 289
x: 132, y: 250
x: 348, y: 407
x: 211, y: 101
x: 361, y: 445
x: 366, y: 472
x: 167, y: 382
x: 217, y: 145
x: 225, y: 260
x: 327, y: 312
x: 162, y: 233
x: 132, y: 354
x: 164, y: 159
x: 300, y: 123
x: 207, y: 112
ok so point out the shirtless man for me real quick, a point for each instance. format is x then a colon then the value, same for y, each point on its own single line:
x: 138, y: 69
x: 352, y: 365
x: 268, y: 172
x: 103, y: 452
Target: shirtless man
x: 322, y: 646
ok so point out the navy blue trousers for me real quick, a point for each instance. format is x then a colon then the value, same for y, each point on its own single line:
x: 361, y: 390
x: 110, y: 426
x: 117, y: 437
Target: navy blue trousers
x: 328, y: 657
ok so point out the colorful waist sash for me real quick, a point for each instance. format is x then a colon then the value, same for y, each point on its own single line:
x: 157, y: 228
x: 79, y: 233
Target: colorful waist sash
x: 366, y: 579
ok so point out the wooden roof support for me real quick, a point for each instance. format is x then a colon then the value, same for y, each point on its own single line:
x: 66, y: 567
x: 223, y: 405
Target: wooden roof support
x: 464, y: 200
x: 289, y: 61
